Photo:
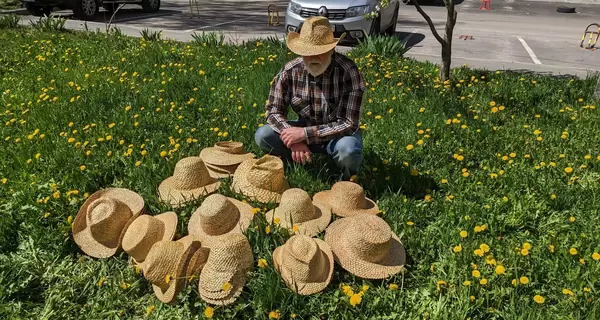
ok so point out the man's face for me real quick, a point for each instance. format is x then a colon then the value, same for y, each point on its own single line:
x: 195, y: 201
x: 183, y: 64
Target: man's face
x: 316, y: 65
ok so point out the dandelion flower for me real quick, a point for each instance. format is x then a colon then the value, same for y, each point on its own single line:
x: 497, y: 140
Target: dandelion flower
x: 573, y: 251
x: 457, y: 248
x: 567, y: 292
x: 500, y: 270
x: 262, y: 263
x: 596, y: 256
x: 524, y: 280
x: 226, y: 286
x: 539, y: 299
x: 393, y: 286
x: 209, y: 312
x: 568, y: 170
x: 355, y: 299
x: 476, y: 273
x: 463, y: 234
x: 274, y: 314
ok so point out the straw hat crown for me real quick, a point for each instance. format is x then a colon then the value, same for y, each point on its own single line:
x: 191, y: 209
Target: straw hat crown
x: 267, y: 173
x: 296, y: 206
x: 316, y: 37
x: 218, y: 215
x: 300, y: 256
x: 232, y: 147
x: 373, y: 238
x: 145, y: 231
x: 190, y: 173
x: 106, y: 218
x: 160, y: 262
x: 347, y: 199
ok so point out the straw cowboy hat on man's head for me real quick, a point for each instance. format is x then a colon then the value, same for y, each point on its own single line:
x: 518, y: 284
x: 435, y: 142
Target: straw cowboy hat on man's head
x: 315, y: 37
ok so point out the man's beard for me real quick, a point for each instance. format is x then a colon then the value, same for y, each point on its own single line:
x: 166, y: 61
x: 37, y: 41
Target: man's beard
x: 316, y: 69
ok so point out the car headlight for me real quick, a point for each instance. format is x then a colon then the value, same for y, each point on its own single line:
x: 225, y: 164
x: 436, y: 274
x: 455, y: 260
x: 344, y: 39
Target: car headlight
x: 357, y: 11
x: 294, y: 7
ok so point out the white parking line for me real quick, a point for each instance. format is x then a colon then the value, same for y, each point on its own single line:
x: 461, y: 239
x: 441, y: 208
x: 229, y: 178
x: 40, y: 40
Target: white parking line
x: 219, y: 24
x: 412, y: 33
x: 531, y: 54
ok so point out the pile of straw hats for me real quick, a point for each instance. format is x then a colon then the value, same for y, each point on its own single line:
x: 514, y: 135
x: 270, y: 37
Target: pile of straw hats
x: 216, y: 253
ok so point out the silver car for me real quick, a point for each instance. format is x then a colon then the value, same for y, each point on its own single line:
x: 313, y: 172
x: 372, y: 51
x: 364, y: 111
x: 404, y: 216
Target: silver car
x: 346, y: 16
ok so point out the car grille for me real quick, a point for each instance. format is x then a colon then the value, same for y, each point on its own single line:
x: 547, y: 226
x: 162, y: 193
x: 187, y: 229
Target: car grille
x: 334, y: 14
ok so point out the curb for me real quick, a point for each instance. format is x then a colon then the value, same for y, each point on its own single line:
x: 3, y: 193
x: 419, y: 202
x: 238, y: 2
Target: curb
x: 15, y: 11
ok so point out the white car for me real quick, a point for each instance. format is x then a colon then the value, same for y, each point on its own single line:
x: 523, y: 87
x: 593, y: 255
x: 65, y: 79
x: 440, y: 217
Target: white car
x: 346, y: 16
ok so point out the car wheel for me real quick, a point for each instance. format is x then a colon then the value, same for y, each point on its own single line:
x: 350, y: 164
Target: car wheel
x: 86, y: 9
x: 391, y: 30
x: 150, y: 5
x: 37, y: 11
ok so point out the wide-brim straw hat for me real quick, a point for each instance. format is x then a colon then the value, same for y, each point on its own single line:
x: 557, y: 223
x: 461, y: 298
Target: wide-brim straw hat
x: 366, y: 246
x: 170, y: 265
x: 225, y: 153
x: 228, y: 263
x: 347, y: 199
x: 305, y: 264
x: 190, y: 180
x: 219, y: 215
x: 103, y: 219
x: 297, y: 209
x: 145, y: 231
x: 262, y: 180
x: 316, y: 37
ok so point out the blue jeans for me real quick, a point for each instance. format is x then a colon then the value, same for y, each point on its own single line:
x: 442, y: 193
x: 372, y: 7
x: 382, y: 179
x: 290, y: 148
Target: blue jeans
x: 345, y: 151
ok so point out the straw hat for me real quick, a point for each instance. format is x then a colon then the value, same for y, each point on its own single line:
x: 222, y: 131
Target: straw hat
x: 189, y: 181
x: 224, y: 274
x: 102, y: 220
x: 297, y: 208
x: 305, y: 264
x: 315, y: 37
x: 225, y: 153
x: 261, y: 179
x: 170, y: 264
x: 347, y: 199
x: 145, y: 231
x: 219, y: 215
x: 365, y: 246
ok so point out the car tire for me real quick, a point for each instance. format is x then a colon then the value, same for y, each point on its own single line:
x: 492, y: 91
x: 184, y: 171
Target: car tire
x: 86, y: 9
x: 37, y: 11
x: 150, y: 6
x: 563, y: 9
x: 391, y: 30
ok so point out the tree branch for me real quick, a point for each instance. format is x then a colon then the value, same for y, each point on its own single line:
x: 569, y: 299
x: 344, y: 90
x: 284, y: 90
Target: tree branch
x: 429, y: 22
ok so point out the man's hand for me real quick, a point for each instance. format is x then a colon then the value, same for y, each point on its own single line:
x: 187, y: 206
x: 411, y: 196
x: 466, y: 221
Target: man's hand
x: 293, y: 135
x: 300, y: 152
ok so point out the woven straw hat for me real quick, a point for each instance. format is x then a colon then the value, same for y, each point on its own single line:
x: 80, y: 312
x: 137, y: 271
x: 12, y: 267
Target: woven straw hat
x: 219, y: 172
x: 102, y: 220
x: 347, y: 199
x: 224, y: 274
x: 365, y: 246
x: 189, y: 181
x: 145, y: 231
x: 219, y: 215
x: 261, y: 179
x: 170, y: 265
x: 297, y: 208
x: 225, y: 153
x: 305, y: 264
x: 315, y: 37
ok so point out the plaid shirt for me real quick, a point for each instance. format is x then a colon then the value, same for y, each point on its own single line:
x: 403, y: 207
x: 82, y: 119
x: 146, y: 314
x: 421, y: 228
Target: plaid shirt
x: 329, y: 104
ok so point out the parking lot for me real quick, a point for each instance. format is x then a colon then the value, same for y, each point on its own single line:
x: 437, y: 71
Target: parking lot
x: 520, y: 35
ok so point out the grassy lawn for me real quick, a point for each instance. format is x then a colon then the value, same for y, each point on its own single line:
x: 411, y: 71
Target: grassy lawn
x: 9, y: 4
x: 491, y: 181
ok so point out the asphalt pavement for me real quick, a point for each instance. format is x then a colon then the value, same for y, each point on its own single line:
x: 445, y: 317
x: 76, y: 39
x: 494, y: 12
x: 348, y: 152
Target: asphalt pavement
x: 516, y: 34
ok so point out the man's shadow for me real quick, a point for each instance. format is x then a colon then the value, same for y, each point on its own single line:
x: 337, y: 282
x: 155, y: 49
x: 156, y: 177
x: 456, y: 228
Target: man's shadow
x: 376, y: 176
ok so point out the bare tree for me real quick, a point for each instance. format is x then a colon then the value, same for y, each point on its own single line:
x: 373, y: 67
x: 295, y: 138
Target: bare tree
x: 446, y: 41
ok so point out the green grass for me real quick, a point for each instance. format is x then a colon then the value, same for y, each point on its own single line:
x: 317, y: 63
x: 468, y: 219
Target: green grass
x: 62, y: 92
x: 10, y: 4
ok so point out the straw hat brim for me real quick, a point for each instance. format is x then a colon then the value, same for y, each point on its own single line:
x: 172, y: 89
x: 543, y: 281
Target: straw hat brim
x: 391, y: 264
x: 242, y: 186
x: 299, y: 47
x: 178, y: 198
x: 311, y: 227
x: 237, y: 279
x: 306, y: 288
x: 246, y: 216
x: 169, y: 219
x: 178, y: 281
x: 324, y: 197
x: 82, y: 234
x: 220, y: 172
x: 214, y: 156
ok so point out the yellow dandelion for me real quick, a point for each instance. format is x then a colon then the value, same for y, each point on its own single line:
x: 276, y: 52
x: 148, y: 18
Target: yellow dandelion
x: 524, y: 280
x: 538, y: 299
x: 355, y: 299
x: 393, y: 286
x: 226, y: 286
x: 262, y: 263
x: 209, y: 312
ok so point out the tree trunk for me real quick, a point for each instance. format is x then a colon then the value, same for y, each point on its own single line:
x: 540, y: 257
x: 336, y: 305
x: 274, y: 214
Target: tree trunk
x: 445, y: 42
x: 447, y: 46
